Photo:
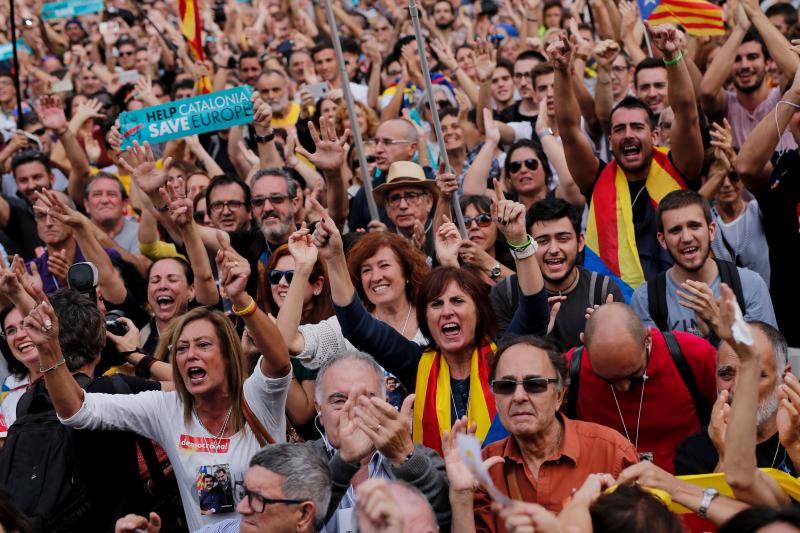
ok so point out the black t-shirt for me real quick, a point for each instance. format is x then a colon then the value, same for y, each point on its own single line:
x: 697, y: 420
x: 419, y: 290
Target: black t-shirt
x: 697, y: 455
x: 512, y: 114
x: 21, y: 227
x: 780, y: 206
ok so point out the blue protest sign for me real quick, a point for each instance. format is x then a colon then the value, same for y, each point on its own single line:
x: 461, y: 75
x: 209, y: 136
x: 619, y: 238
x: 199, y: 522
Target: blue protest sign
x: 191, y: 116
x: 71, y: 8
x: 7, y: 50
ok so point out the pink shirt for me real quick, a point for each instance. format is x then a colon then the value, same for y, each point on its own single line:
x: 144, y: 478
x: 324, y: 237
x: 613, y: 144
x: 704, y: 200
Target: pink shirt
x: 743, y: 121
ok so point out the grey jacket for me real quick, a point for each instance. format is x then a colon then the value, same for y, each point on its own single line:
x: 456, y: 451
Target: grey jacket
x: 425, y: 470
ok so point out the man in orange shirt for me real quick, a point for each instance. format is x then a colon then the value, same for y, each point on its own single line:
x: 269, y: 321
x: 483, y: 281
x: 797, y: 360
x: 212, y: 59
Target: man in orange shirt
x: 547, y: 456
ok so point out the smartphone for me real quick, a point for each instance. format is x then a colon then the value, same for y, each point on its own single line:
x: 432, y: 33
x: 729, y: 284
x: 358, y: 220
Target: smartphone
x: 111, y: 26
x: 319, y: 90
x: 62, y: 86
x: 128, y: 76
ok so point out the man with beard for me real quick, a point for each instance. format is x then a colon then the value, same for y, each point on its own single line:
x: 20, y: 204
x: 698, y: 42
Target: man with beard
x: 555, y: 226
x: 443, y: 19
x: 623, y: 193
x: 703, y: 452
x: 743, y: 57
x: 273, y: 86
x: 691, y: 285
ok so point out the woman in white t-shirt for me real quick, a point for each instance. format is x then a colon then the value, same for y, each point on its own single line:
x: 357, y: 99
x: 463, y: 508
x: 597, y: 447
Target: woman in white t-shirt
x: 23, y: 362
x: 215, y: 420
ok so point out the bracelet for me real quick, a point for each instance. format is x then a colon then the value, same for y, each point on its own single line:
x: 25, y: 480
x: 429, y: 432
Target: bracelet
x: 669, y: 62
x: 531, y: 19
x: 248, y: 310
x: 522, y: 246
x: 163, y: 209
x: 263, y: 139
x: 143, y: 366
x: 50, y: 369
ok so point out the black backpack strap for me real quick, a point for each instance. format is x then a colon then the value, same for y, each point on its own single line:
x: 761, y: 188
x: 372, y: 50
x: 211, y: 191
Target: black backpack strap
x: 729, y: 274
x: 604, y: 290
x: 657, y: 300
x: 574, y: 381
x: 703, y: 412
x: 592, y: 289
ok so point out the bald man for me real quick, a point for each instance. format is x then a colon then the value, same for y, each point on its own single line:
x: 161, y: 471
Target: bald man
x: 396, y: 140
x: 628, y: 379
x: 385, y: 505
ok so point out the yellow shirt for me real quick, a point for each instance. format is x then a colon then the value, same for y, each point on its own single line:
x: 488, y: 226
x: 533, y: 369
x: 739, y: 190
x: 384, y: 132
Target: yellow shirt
x: 290, y: 119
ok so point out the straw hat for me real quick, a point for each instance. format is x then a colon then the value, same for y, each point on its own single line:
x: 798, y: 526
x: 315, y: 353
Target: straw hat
x: 404, y: 174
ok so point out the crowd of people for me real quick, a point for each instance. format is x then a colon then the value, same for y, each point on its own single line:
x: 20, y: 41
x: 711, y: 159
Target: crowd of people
x: 234, y: 331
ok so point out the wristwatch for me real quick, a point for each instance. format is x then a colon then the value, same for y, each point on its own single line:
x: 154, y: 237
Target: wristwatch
x: 544, y: 133
x: 262, y: 139
x: 495, y: 271
x: 708, y: 497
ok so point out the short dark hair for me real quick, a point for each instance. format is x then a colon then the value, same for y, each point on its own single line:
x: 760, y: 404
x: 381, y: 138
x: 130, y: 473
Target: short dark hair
x: 249, y: 53
x: 105, y: 176
x: 227, y: 179
x: 82, y: 330
x: 350, y: 45
x: 31, y: 117
x: 325, y: 44
x: 504, y: 63
x: 448, y: 111
x: 531, y: 54
x: 633, y: 102
x: 537, y: 148
x: 631, y: 509
x: 548, y: 209
x: 752, y: 36
x: 554, y: 354
x: 541, y: 69
x: 753, y: 519
x: 29, y: 156
x: 788, y: 13
x: 678, y: 199
x: 645, y: 64
x: 181, y: 84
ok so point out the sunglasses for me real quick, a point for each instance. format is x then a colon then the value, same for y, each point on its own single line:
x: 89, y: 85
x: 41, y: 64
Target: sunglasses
x: 484, y: 220
x: 530, y: 164
x: 276, y: 199
x: 39, y: 132
x: 276, y: 275
x: 199, y: 216
x: 370, y: 159
x: 507, y: 387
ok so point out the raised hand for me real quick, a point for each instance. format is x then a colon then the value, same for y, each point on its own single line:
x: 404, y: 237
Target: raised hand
x: 724, y: 326
x: 718, y: 423
x: 354, y: 444
x: 327, y: 239
x: 54, y: 206
x: 485, y: 59
x: 330, y: 150
x: 58, y: 265
x: 139, y: 162
x: 461, y: 480
x: 51, y: 113
x: 605, y: 53
x: 31, y: 283
x: 629, y: 12
x: 41, y: 326
x: 447, y: 184
x: 447, y: 243
x: 445, y: 54
x: 180, y: 207
x: 560, y: 51
x: 90, y: 108
x: 555, y: 306
x: 491, y: 131
x: 474, y: 255
x: 664, y: 37
x: 233, y: 271
x: 789, y: 413
x: 301, y: 246
x: 262, y: 115
x: 389, y: 430
x: 510, y: 217
x: 722, y: 141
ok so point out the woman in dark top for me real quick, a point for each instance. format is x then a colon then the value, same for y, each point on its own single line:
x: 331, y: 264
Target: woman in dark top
x: 450, y: 375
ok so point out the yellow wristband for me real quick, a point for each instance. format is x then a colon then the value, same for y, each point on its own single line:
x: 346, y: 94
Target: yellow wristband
x: 247, y: 311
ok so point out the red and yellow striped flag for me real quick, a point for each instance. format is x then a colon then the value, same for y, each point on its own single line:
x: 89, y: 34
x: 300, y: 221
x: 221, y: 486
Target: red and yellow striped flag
x: 192, y: 29
x: 699, y: 17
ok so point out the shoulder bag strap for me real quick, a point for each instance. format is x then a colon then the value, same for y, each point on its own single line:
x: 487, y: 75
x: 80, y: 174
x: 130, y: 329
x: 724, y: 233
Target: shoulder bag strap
x: 262, y: 435
x: 592, y: 291
x: 688, y: 378
x: 574, y: 382
x: 657, y: 301
x: 729, y: 274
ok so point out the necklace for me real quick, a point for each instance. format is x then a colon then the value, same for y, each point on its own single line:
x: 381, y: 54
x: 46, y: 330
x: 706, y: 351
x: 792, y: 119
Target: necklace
x: 638, y: 194
x: 218, y: 437
x: 455, y: 408
x: 638, y: 418
x: 405, y: 324
x: 775, y: 457
x: 572, y: 284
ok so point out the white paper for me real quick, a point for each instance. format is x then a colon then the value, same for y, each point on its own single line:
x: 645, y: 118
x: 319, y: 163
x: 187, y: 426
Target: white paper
x: 470, y: 450
x: 740, y: 329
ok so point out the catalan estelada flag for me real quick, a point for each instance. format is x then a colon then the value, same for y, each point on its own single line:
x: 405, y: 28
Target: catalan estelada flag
x: 434, y: 398
x: 191, y: 28
x: 699, y: 17
x: 610, y: 234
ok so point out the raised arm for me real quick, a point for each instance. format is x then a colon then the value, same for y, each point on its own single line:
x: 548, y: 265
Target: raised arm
x: 779, y: 48
x: 180, y: 211
x: 724, y: 157
x: 234, y: 271
x: 582, y: 163
x: 605, y: 53
x: 475, y: 178
x: 290, y: 315
x: 262, y: 124
x: 711, y: 96
x: 753, y: 162
x: 687, y: 148
x: 567, y: 189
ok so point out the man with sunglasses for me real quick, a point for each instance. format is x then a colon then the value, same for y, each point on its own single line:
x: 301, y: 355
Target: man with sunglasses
x: 547, y: 456
x: 654, y: 388
x: 287, y: 488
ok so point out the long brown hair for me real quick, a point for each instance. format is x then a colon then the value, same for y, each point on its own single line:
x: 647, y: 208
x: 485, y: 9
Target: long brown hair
x: 232, y: 353
x: 411, y: 260
x: 316, y: 310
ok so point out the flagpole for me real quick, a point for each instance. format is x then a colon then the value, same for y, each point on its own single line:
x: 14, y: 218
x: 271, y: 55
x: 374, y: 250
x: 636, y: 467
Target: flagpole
x: 15, y: 63
x: 437, y: 126
x: 647, y: 39
x: 366, y: 181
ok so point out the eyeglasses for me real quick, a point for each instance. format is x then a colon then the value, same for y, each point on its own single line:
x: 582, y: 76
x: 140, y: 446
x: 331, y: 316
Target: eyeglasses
x: 256, y: 501
x: 370, y: 159
x: 389, y: 142
x: 276, y: 275
x: 275, y: 199
x: 199, y: 216
x: 520, y: 75
x: 530, y: 164
x: 619, y: 69
x: 409, y: 197
x: 40, y: 216
x: 39, y: 132
x: 506, y: 387
x: 125, y: 54
x: 219, y: 205
x: 484, y: 220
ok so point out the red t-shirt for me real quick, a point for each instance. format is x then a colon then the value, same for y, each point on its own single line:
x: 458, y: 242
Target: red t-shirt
x: 668, y: 411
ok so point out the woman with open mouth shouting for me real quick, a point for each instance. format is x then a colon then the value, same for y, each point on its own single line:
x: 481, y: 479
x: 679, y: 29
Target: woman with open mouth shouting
x: 215, y: 420
x: 455, y: 314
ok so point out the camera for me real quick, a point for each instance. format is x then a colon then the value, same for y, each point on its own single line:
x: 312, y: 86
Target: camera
x: 113, y: 326
x: 83, y: 278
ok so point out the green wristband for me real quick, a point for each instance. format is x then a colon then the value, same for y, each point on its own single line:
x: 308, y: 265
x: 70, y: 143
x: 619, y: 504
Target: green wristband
x: 674, y: 61
x: 522, y: 246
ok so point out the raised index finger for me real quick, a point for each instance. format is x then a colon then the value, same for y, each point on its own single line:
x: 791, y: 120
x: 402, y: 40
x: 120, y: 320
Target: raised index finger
x: 498, y: 192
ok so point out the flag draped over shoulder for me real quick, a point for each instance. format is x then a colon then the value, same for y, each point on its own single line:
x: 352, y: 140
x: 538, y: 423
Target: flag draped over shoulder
x: 610, y: 234
x: 699, y: 17
x: 191, y: 28
x: 434, y: 397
